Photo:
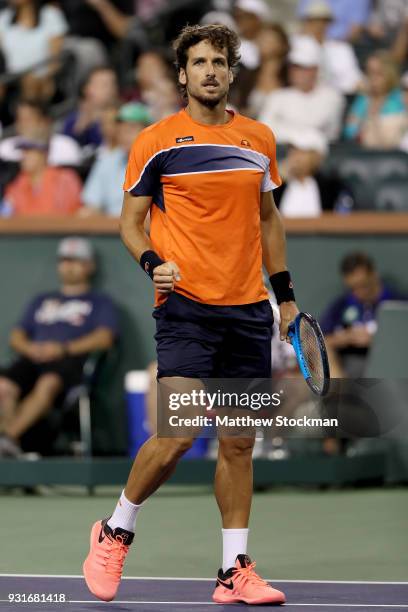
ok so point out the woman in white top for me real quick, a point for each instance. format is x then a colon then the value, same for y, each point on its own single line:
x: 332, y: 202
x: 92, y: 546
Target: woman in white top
x: 30, y: 34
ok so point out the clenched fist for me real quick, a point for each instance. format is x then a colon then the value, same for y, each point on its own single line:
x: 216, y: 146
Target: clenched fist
x: 165, y: 276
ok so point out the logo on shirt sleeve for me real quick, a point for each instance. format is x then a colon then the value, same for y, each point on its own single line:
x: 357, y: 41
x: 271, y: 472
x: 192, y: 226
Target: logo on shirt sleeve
x: 245, y: 142
x: 185, y: 139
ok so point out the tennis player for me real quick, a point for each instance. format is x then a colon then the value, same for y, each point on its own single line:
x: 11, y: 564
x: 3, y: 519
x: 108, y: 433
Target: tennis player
x: 206, y: 174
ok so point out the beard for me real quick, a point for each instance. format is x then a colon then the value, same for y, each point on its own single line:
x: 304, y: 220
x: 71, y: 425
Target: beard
x: 208, y: 102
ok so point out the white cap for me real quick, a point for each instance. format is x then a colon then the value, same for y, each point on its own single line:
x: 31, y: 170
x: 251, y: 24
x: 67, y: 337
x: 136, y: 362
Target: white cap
x: 75, y: 248
x: 318, y: 9
x: 219, y: 17
x: 257, y: 7
x: 308, y: 139
x: 305, y: 51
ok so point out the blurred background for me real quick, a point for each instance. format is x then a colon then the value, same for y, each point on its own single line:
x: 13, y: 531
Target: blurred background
x: 78, y: 81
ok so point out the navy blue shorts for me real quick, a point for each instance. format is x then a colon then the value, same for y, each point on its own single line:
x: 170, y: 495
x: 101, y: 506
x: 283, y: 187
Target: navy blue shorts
x: 197, y: 340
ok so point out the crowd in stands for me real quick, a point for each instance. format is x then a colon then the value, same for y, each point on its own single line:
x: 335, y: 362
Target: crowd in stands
x: 79, y: 80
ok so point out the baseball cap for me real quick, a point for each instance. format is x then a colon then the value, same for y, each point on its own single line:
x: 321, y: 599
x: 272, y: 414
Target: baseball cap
x: 318, y: 9
x: 74, y: 247
x: 305, y: 51
x: 256, y: 7
x: 26, y: 144
x: 308, y: 139
x: 134, y: 112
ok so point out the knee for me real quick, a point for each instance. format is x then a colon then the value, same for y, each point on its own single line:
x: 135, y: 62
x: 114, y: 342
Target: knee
x: 48, y: 385
x: 236, y: 448
x: 8, y: 390
x: 174, y: 448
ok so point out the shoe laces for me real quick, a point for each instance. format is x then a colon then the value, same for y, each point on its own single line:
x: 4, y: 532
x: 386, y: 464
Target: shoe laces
x: 247, y: 574
x: 114, y: 557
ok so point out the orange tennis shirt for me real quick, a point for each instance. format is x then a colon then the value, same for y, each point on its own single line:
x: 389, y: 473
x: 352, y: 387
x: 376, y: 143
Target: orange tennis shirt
x: 206, y: 182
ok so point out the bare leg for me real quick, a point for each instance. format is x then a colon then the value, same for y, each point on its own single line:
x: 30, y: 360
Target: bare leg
x: 154, y: 464
x: 151, y: 397
x: 158, y: 457
x: 9, y: 394
x: 233, y: 481
x: 35, y: 405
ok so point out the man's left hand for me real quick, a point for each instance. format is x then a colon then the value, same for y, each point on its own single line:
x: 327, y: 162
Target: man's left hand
x: 288, y: 312
x: 51, y: 351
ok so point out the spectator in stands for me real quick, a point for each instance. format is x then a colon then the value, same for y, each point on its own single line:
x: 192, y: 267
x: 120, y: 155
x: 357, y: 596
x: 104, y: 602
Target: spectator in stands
x: 386, y: 19
x: 249, y: 16
x: 40, y: 189
x: 351, y: 17
x: 156, y: 86
x: 273, y: 45
x: 53, y: 338
x: 33, y: 116
x: 378, y: 119
x: 103, y: 191
x: 86, y: 23
x: 109, y: 129
x: 89, y: 40
x: 99, y: 91
x: 306, y: 192
x: 399, y: 47
x: 32, y: 32
x: 306, y: 103
x: 339, y: 67
x: 349, y: 322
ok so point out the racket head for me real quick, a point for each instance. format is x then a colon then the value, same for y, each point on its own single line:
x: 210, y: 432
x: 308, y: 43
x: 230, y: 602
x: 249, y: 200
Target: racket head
x: 308, y: 343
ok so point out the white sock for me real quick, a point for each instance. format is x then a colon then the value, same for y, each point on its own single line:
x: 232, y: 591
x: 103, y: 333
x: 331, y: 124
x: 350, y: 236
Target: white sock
x: 124, y: 515
x: 234, y: 543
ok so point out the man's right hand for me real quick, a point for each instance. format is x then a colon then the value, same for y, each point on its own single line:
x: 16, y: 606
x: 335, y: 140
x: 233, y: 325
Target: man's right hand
x: 165, y: 275
x: 41, y: 352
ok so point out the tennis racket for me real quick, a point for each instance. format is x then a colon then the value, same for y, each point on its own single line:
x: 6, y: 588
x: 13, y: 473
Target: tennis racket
x: 308, y: 343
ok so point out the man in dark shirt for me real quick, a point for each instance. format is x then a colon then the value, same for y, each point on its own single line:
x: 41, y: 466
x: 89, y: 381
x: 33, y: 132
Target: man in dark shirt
x: 349, y: 322
x: 53, y: 338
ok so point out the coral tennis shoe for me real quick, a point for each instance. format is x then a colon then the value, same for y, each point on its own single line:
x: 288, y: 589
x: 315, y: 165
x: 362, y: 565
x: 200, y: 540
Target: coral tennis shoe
x: 104, y: 564
x: 242, y: 584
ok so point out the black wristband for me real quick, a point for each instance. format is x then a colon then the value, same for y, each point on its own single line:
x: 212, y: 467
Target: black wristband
x: 149, y: 261
x: 282, y: 287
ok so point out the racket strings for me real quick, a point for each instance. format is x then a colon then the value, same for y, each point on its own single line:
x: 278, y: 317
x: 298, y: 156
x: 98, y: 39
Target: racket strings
x: 311, y: 352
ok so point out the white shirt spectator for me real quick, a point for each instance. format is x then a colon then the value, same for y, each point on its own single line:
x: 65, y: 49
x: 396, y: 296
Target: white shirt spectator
x: 340, y: 67
x: 289, y: 108
x: 64, y: 151
x: 25, y: 47
x: 301, y: 199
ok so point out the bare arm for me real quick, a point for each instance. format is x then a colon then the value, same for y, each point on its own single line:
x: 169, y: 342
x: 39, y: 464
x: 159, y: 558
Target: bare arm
x: 99, y: 340
x: 20, y: 342
x: 273, y: 236
x: 274, y: 253
x: 56, y: 45
x: 116, y: 22
x: 400, y: 48
x: 133, y: 222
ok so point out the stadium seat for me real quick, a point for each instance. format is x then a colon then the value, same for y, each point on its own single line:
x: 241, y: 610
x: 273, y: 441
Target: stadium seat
x: 392, y: 195
x: 363, y: 171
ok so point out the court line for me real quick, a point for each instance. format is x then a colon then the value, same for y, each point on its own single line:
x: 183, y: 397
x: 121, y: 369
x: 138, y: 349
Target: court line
x: 211, y: 603
x: 79, y: 576
x: 345, y: 605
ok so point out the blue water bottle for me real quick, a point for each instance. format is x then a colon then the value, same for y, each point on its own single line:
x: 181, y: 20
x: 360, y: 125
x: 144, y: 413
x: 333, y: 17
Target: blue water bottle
x: 136, y: 387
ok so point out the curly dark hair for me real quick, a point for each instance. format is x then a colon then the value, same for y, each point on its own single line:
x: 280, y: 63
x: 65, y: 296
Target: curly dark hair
x: 219, y: 36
